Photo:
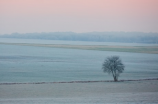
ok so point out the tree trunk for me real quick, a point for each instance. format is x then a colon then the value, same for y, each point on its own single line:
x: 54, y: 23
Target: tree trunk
x: 115, y: 79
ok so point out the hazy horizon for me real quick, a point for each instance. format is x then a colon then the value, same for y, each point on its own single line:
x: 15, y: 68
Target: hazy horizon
x: 78, y: 32
x: 79, y: 16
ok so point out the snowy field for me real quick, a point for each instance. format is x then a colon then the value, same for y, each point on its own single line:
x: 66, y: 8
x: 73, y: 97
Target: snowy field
x: 32, y: 64
x: 130, y: 92
x: 22, y: 64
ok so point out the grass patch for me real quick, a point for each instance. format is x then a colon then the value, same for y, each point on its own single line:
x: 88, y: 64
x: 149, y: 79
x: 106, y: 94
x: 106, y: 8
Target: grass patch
x: 135, y: 49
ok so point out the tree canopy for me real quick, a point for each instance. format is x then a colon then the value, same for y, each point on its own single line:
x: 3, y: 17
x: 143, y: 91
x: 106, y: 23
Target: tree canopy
x: 113, y: 65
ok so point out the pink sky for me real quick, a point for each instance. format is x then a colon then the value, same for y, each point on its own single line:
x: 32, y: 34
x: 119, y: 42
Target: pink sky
x: 25, y: 16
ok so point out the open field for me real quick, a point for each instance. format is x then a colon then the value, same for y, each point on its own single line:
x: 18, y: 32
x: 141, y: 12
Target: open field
x: 135, y: 49
x: 37, y: 74
x: 128, y: 92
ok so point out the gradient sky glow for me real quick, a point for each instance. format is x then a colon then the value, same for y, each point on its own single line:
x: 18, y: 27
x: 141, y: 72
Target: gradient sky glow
x: 27, y: 16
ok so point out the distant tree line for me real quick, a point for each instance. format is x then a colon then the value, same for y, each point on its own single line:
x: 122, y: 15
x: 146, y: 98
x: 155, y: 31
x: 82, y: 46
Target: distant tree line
x: 128, y: 37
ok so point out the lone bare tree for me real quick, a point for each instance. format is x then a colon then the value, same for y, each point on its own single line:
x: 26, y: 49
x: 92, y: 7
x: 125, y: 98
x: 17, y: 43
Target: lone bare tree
x: 113, y: 65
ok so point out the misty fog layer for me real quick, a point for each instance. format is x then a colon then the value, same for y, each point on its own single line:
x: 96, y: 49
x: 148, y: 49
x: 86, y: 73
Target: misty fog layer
x: 128, y: 37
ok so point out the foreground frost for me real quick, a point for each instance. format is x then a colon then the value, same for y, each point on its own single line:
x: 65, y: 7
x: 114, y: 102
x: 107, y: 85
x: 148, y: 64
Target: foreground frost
x: 130, y: 92
x: 113, y: 98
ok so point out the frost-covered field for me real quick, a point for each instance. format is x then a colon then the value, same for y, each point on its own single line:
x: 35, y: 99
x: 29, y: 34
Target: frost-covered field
x: 33, y: 64
x: 45, y: 64
x: 130, y: 92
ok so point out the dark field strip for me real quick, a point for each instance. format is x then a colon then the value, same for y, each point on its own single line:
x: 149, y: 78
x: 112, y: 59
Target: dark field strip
x: 79, y: 81
x: 133, y: 49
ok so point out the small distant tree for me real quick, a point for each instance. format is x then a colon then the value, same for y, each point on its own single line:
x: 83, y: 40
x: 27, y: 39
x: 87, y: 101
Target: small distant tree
x: 113, y: 65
